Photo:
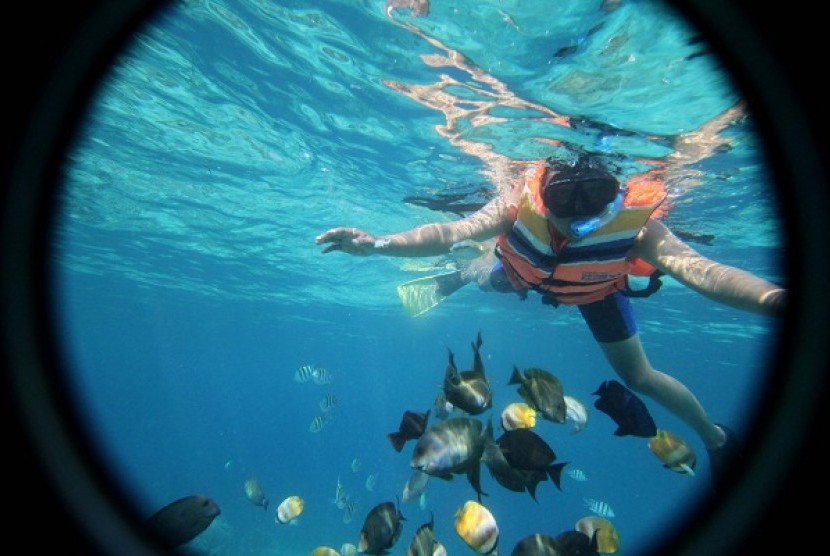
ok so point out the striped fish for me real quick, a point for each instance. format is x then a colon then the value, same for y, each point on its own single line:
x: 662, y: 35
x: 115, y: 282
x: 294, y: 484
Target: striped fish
x: 318, y: 423
x: 371, y: 480
x: 599, y: 507
x: 304, y: 373
x: 328, y: 402
x: 321, y: 375
x: 577, y: 475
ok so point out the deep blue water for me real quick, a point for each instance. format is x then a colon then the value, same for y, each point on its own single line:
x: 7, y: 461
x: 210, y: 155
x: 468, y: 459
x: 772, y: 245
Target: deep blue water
x: 190, y: 290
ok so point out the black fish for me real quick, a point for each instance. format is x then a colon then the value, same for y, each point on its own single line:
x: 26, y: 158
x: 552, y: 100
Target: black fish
x: 468, y: 390
x: 542, y: 391
x: 381, y: 529
x: 577, y: 543
x: 626, y: 409
x: 423, y: 542
x: 413, y: 425
x: 538, y: 545
x: 526, y: 450
x: 517, y: 480
x: 182, y: 521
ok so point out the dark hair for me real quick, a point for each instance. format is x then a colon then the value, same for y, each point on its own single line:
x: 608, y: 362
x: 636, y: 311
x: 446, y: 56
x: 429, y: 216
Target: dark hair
x: 583, y: 187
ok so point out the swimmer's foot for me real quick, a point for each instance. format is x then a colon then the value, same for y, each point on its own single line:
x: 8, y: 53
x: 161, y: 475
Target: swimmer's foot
x: 722, y: 458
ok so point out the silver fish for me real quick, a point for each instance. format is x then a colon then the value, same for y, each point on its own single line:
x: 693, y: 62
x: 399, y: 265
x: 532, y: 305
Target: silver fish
x: 575, y: 413
x: 599, y: 507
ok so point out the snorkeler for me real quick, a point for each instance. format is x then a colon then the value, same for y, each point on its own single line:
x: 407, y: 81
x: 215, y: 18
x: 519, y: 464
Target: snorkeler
x: 573, y: 233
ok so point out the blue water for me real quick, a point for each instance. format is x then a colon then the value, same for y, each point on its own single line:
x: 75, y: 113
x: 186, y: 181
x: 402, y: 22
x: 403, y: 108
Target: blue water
x: 229, y: 134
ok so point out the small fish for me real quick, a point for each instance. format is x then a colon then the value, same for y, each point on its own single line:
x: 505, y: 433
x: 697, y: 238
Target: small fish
x: 453, y: 446
x: 526, y: 450
x: 340, y: 497
x: 673, y: 452
x: 348, y: 549
x: 371, y: 480
x: 575, y: 413
x: 253, y: 491
x: 348, y: 512
x: 289, y: 510
x: 422, y: 501
x: 538, y: 544
x: 626, y: 409
x: 304, y: 373
x: 577, y: 475
x: 518, y: 416
x: 413, y: 425
x: 318, y: 423
x: 468, y: 390
x: 577, y: 543
x: 542, y: 391
x: 328, y: 402
x: 325, y: 551
x: 381, y: 529
x: 415, y: 485
x: 607, y: 537
x: 321, y: 376
x: 356, y: 463
x: 599, y: 507
x: 477, y: 528
x: 182, y: 520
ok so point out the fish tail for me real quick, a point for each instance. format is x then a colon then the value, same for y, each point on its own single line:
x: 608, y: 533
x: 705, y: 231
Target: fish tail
x: 397, y: 440
x: 516, y: 377
x: 555, y: 473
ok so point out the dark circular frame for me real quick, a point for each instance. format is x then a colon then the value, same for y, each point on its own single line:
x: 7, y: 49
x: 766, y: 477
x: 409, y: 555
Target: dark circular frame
x: 55, y: 463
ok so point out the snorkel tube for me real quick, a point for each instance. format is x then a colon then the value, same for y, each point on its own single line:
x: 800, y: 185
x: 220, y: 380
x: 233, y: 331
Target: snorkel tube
x: 581, y: 227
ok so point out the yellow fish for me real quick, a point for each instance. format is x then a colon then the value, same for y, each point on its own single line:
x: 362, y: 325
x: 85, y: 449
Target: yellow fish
x: 608, y: 539
x: 477, y: 527
x: 289, y: 510
x: 518, y: 415
x: 673, y: 452
x: 324, y: 551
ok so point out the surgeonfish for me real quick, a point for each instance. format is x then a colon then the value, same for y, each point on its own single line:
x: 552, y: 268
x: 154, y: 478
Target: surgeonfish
x: 602, y: 509
x: 626, y: 409
x: 524, y: 449
x: 673, y: 452
x: 423, y: 542
x: 253, y: 491
x: 477, y: 528
x: 381, y: 529
x: 542, y: 391
x: 443, y: 408
x: 575, y: 413
x: 182, y: 520
x: 607, y: 537
x: 468, y: 390
x: 538, y: 544
x: 413, y: 424
x: 517, y: 480
x: 453, y: 446
x: 518, y: 415
x: 289, y: 510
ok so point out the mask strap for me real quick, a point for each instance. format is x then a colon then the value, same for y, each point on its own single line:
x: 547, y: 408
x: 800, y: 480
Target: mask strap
x: 581, y: 227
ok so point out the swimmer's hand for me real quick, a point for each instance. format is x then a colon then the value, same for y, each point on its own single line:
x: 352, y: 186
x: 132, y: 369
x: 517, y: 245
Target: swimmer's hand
x: 351, y: 241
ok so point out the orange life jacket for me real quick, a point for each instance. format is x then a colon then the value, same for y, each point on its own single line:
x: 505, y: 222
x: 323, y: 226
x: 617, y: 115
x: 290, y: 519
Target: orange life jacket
x: 535, y: 255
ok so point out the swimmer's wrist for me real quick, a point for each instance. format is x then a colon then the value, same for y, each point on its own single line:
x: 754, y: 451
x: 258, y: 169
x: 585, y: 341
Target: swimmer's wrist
x: 381, y: 243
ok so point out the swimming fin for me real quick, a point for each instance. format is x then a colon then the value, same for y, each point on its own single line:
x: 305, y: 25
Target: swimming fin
x: 422, y: 294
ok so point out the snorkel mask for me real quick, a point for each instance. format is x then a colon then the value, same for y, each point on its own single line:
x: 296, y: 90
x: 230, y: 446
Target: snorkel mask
x: 584, y: 192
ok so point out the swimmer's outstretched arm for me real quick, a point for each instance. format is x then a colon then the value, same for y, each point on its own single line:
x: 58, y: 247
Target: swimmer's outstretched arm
x: 495, y: 217
x: 722, y: 283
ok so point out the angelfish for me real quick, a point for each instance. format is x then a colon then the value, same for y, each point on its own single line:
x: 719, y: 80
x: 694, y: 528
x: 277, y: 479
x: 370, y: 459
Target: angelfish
x: 673, y: 452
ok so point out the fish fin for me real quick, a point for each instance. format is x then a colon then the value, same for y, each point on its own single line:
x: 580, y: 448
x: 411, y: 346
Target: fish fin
x: 422, y: 294
x: 555, y: 473
x: 397, y: 440
x: 516, y: 377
